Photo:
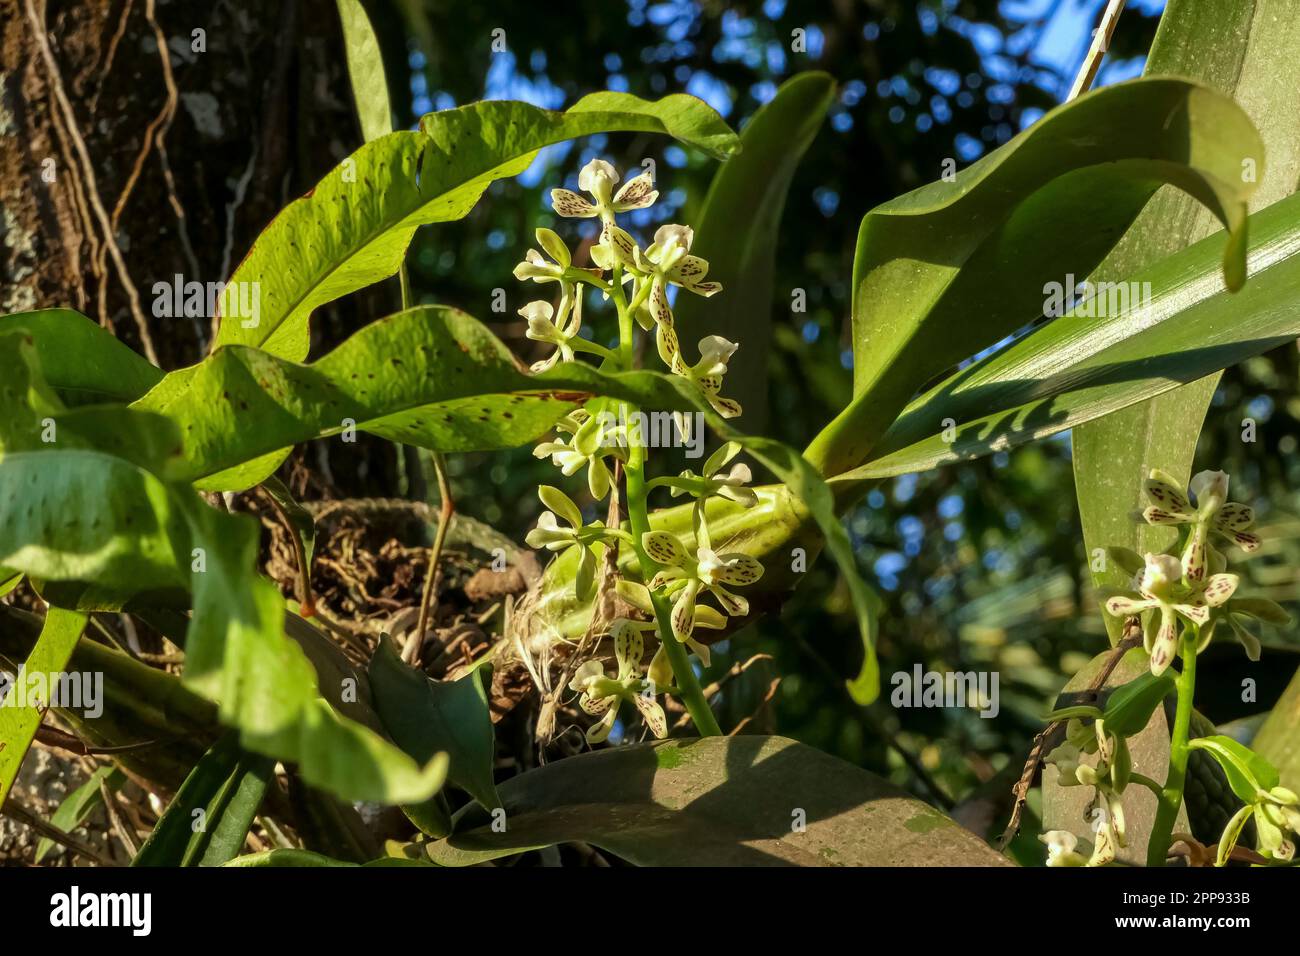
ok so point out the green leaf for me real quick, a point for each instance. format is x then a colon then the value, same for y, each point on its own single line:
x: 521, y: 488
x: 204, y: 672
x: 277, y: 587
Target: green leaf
x: 954, y: 267
x: 427, y: 717
x: 299, y: 858
x: 365, y: 70
x: 1278, y: 738
x: 1077, y: 369
x: 737, y: 233
x: 1241, y: 48
x: 354, y: 227
x: 1247, y: 771
x: 304, y: 525
x: 208, y: 820
x: 286, y: 858
x: 436, y: 378
x: 716, y: 801
x: 80, y: 360
x: 1129, y: 707
x: 89, y: 516
x: 18, y: 724
x: 79, y: 805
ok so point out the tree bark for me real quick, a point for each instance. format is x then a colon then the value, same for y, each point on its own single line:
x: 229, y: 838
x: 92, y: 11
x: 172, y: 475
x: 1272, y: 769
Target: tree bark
x: 123, y: 166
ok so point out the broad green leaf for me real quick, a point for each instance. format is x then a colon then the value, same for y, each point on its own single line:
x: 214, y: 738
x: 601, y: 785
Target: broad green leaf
x: 142, y: 704
x: 89, y: 516
x: 1278, y: 739
x: 208, y: 820
x: 287, y: 858
x: 1250, y: 50
x: 737, y: 233
x: 81, y: 361
x: 716, y: 801
x: 1247, y: 771
x: 954, y: 267
x: 79, y: 805
x: 300, y: 858
x: 436, y: 378
x: 1130, y: 706
x: 353, y: 228
x: 1076, y: 369
x: 18, y: 724
x: 427, y: 717
x: 365, y: 70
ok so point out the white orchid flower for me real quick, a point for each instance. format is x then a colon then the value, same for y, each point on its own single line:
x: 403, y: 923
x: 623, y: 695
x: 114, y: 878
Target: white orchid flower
x: 1212, y: 514
x: 598, y: 178
x: 684, y: 576
x: 714, y: 481
x: 601, y: 694
x: 1160, y: 588
x: 589, y: 443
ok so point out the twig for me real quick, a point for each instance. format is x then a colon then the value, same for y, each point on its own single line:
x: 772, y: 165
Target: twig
x: 1020, y: 791
x: 767, y: 699
x: 53, y: 737
x: 28, y: 819
x: 1097, y: 49
x: 88, y: 170
x: 115, y: 819
x: 433, y: 576
x: 734, y: 671
x: 308, y: 605
x: 878, y: 727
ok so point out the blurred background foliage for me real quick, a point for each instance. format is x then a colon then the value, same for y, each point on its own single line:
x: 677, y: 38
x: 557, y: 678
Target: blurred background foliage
x: 981, y: 566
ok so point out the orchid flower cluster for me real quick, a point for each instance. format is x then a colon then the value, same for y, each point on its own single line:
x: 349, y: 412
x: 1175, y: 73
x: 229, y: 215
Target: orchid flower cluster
x: 675, y: 576
x: 1182, y: 598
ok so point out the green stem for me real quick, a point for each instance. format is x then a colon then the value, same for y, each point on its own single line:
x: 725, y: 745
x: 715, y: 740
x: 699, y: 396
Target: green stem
x: 1171, y: 797
x: 690, y: 692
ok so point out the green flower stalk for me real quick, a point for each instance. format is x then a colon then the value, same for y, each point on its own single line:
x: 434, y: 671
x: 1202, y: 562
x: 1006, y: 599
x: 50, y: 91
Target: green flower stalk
x: 672, y: 580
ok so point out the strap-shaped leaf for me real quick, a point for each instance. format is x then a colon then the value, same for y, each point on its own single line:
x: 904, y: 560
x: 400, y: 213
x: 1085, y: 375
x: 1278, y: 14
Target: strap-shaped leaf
x: 1076, y: 369
x: 1237, y: 47
x: 739, y: 225
x: 954, y: 267
x: 209, y: 818
x: 716, y: 801
x: 353, y: 228
x: 18, y: 724
x: 365, y: 70
x: 80, y: 804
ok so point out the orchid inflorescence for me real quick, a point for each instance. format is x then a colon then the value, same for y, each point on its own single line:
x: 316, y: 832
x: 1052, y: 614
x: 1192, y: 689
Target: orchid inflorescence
x: 638, y: 280
x: 1182, y: 598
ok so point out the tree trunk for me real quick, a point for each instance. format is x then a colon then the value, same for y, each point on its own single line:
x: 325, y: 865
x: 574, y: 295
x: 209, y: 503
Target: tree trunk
x: 123, y: 166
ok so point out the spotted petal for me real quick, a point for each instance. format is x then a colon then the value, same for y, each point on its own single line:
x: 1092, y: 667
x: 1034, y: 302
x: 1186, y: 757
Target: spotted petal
x: 664, y: 548
x: 653, y: 714
x: 637, y: 193
x: 683, y: 616
x: 597, y: 733
x: 629, y: 647
x: 1168, y: 495
x: 1219, y: 588
x: 1121, y: 606
x: 571, y: 205
x: 1165, y: 644
x: 738, y: 569
x: 1234, y: 517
